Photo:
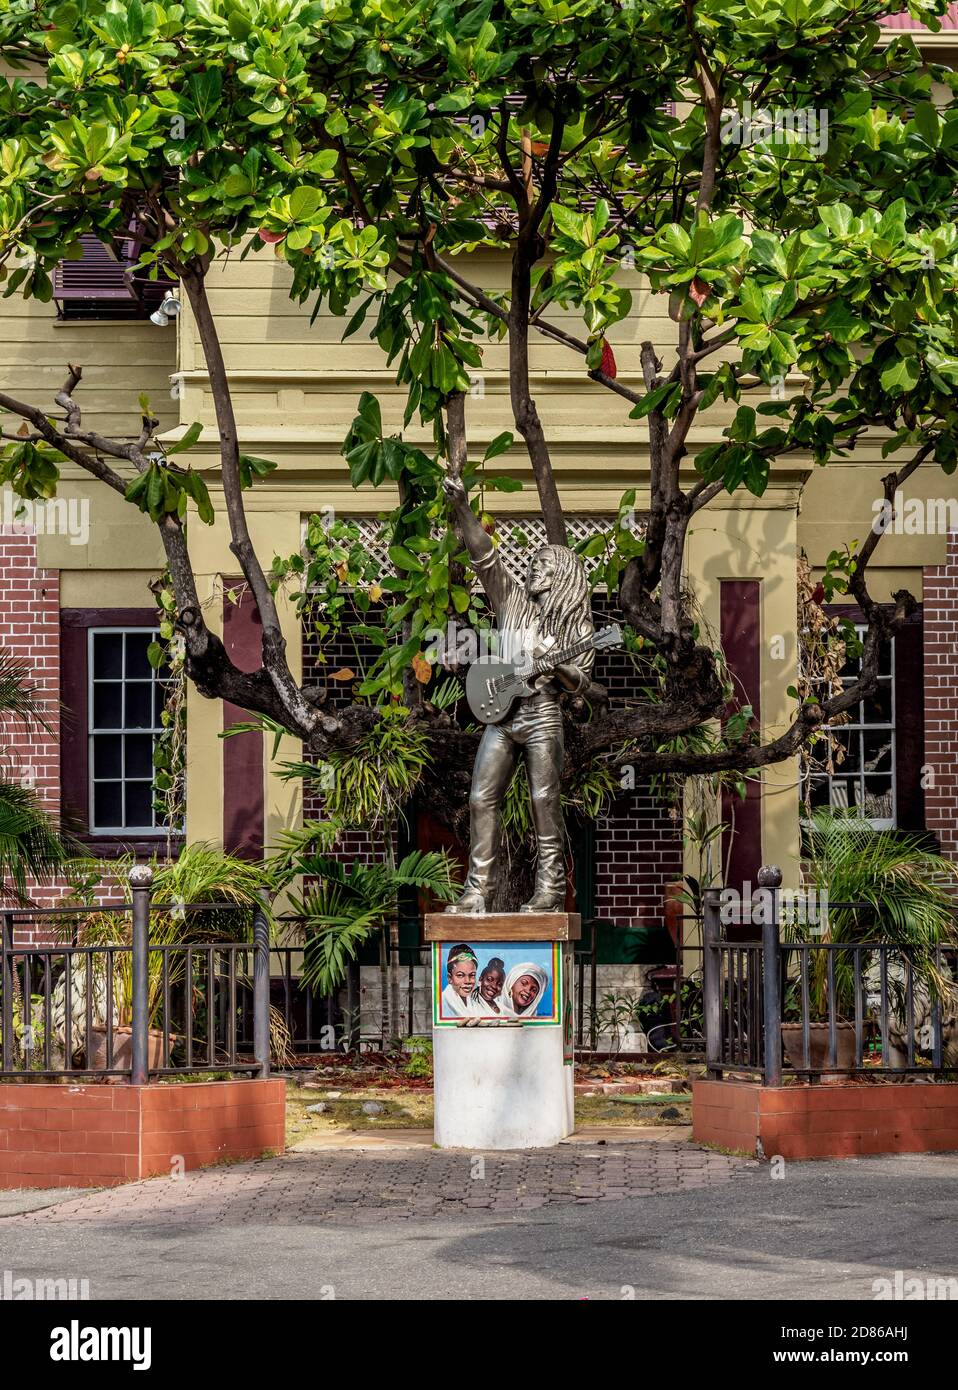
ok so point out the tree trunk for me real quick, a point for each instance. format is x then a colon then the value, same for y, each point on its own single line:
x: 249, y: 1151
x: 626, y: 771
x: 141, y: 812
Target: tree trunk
x: 517, y: 875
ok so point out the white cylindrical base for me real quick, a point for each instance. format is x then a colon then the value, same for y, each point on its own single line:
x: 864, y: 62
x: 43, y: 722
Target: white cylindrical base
x: 501, y: 1088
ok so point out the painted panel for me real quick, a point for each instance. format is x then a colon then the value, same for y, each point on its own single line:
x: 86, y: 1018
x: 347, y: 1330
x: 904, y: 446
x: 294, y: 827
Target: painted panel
x: 496, y: 982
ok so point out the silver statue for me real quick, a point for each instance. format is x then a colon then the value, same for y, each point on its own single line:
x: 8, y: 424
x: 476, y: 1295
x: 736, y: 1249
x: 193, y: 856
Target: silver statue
x: 551, y: 613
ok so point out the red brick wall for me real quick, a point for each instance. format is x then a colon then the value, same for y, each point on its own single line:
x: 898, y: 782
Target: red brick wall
x: 940, y: 605
x: 841, y: 1121
x: 30, y: 630
x: 638, y: 850
x: 98, y: 1136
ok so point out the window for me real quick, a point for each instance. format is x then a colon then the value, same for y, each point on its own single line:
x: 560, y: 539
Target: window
x: 124, y: 706
x: 859, y: 771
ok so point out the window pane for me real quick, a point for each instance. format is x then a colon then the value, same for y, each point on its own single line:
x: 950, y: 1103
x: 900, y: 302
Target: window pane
x: 124, y: 699
x: 879, y: 802
x: 818, y: 796
x: 107, y: 706
x: 108, y: 756
x: 851, y: 668
x: 107, y: 655
x: 159, y: 704
x: 139, y: 755
x: 862, y: 779
x: 877, y: 708
x: 844, y: 793
x: 137, y: 666
x: 139, y: 803
x: 845, y: 750
x: 878, y: 751
x: 139, y: 706
x: 107, y: 804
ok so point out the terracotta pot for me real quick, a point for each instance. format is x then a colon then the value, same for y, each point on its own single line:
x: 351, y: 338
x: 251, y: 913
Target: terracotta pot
x: 123, y: 1048
x: 818, y: 1045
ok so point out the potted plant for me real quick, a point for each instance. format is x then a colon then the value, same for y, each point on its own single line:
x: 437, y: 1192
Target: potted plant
x: 201, y: 874
x: 899, y: 894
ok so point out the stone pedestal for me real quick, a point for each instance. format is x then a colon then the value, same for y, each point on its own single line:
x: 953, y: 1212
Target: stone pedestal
x: 504, y: 1083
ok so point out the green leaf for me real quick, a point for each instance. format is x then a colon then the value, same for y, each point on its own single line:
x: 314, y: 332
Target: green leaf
x: 403, y: 560
x: 187, y: 441
x: 927, y: 123
x: 654, y: 398
x: 900, y: 375
x: 499, y: 445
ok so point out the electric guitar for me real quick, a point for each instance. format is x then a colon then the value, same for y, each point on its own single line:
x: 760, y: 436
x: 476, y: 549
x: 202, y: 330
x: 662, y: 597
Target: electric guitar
x: 494, y: 686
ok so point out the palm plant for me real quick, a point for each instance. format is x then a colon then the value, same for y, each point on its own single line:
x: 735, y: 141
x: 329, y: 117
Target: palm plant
x: 363, y: 787
x: 32, y: 844
x: 201, y: 874
x: 901, y: 893
x: 348, y: 906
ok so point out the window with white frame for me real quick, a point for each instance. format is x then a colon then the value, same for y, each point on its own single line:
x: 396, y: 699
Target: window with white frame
x: 126, y: 699
x: 858, y: 772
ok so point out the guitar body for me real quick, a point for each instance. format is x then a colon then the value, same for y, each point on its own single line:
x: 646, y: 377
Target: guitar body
x: 493, y: 686
x: 488, y: 704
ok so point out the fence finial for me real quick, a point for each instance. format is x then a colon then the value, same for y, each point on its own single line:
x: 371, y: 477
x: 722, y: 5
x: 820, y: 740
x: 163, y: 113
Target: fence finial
x: 769, y: 876
x: 141, y: 875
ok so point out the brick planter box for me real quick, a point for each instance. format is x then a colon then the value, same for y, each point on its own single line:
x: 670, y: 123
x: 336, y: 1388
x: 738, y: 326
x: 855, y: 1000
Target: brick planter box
x: 840, y: 1121
x: 97, y: 1136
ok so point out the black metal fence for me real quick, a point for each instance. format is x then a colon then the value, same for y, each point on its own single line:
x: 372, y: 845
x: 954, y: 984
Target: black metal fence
x: 135, y: 1007
x: 136, y: 1000
x: 776, y: 1008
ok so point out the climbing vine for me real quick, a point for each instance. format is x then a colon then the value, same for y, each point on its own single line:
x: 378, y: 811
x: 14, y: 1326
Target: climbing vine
x: 167, y: 656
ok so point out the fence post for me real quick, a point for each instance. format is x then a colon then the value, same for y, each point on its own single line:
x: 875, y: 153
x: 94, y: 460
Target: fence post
x: 6, y: 983
x: 261, y: 986
x: 712, y: 980
x: 770, y: 879
x: 141, y: 882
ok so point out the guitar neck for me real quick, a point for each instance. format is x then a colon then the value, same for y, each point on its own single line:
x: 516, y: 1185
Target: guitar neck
x: 546, y: 663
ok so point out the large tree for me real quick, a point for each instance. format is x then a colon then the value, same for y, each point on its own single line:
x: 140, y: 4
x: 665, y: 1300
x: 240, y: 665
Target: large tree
x: 374, y: 144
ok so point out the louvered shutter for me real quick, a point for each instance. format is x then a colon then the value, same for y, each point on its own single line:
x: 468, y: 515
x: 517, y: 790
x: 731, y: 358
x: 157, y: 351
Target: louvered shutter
x: 96, y: 281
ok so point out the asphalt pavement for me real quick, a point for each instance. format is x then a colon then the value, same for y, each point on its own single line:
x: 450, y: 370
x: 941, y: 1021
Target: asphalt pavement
x: 664, y: 1221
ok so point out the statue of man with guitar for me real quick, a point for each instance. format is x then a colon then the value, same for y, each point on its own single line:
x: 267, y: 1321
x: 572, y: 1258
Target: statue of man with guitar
x: 547, y: 642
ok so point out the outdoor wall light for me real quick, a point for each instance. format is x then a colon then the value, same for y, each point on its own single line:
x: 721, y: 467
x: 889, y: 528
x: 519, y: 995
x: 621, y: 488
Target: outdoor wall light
x: 168, y: 310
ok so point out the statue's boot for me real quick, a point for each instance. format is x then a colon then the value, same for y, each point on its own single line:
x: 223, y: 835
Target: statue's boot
x: 471, y: 901
x: 549, y: 892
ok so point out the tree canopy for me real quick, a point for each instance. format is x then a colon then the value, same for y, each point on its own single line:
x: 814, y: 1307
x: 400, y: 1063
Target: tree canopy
x: 781, y: 171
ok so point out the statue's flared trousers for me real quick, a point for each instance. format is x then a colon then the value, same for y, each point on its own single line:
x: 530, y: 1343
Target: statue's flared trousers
x: 535, y: 730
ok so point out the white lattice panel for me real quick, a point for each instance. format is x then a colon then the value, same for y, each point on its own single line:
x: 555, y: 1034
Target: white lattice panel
x: 518, y: 537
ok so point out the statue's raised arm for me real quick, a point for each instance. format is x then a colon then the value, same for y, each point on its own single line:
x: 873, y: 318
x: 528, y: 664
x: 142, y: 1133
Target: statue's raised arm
x: 486, y: 561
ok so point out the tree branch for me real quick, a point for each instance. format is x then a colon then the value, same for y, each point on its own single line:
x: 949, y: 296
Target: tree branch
x: 298, y: 710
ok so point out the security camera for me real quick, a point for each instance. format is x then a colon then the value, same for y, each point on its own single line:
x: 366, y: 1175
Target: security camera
x: 168, y: 310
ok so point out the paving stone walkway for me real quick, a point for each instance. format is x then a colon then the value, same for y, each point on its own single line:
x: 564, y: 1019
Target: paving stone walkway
x: 369, y: 1185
